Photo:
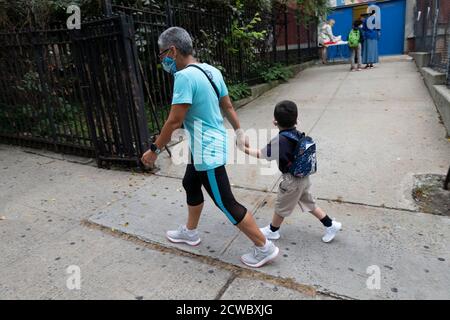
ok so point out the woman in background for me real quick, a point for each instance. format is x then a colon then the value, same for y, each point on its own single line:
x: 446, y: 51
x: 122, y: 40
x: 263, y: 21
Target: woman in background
x: 370, y: 46
x: 325, y: 36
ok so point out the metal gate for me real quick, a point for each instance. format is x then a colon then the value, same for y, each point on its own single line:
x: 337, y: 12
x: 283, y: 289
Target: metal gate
x: 111, y: 88
x: 75, y: 91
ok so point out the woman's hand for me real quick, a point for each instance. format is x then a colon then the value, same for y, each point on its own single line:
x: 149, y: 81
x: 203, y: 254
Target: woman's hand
x: 149, y: 158
x: 241, y: 140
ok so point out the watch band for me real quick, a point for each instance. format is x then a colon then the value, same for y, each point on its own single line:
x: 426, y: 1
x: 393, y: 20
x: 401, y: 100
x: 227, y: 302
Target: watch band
x: 155, y: 149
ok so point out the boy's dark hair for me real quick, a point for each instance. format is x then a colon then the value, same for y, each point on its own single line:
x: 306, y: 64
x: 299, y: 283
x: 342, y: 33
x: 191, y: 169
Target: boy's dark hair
x: 286, y: 114
x: 357, y: 23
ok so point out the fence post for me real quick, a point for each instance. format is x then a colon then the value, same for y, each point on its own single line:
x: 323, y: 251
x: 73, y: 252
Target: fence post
x: 299, y: 41
x: 274, y: 35
x: 137, y: 113
x: 435, y: 23
x: 309, y: 37
x: 39, y: 58
x: 241, y: 69
x: 286, y: 38
x: 108, y: 8
x: 86, y: 98
x: 448, y: 63
x: 169, y: 13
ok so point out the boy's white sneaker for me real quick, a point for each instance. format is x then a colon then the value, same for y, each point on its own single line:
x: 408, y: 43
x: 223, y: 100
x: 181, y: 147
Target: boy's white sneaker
x: 259, y: 257
x: 183, y: 235
x: 269, y: 234
x: 331, y: 232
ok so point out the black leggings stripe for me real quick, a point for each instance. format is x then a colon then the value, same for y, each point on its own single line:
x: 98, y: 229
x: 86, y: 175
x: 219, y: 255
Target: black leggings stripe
x: 217, y: 185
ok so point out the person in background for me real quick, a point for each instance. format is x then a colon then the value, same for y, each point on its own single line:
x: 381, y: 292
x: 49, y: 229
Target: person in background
x: 370, y: 47
x: 325, y: 36
x: 355, y: 40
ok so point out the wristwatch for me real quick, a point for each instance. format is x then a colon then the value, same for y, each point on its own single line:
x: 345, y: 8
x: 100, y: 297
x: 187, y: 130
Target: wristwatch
x: 154, y: 148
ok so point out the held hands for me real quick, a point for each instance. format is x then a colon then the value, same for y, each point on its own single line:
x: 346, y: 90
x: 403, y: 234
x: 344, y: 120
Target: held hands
x: 241, y: 140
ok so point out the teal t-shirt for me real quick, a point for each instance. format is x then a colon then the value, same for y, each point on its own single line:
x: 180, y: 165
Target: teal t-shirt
x: 204, y: 122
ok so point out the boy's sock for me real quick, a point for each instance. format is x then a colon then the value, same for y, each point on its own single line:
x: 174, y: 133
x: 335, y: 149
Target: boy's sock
x: 274, y: 229
x: 327, y: 222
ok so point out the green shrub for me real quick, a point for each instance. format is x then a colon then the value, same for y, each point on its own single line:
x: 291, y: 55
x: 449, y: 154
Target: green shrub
x: 276, y: 72
x: 239, y: 91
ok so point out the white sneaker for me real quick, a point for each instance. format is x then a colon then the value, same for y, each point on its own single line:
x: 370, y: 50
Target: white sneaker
x: 183, y: 235
x: 331, y: 232
x: 269, y: 233
x: 257, y: 258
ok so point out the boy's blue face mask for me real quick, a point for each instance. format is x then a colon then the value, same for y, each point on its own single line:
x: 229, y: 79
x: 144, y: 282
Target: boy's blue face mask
x: 169, y: 65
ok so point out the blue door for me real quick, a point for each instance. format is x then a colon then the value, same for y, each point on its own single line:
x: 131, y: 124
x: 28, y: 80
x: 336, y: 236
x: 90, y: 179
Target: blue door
x: 392, y: 28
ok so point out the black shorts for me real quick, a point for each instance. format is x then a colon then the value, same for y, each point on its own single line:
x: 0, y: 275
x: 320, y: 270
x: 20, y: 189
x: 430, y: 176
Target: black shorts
x: 217, y: 185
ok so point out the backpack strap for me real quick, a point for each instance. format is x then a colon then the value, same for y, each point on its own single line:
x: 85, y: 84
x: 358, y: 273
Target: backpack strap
x: 296, y: 136
x: 210, y: 80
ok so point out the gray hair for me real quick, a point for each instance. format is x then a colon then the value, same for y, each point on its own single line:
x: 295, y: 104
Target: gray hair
x: 177, y: 37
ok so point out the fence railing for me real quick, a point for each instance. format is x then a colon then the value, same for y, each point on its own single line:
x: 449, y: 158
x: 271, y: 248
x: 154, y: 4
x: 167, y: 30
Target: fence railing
x: 74, y: 91
x: 432, y: 32
x: 100, y: 91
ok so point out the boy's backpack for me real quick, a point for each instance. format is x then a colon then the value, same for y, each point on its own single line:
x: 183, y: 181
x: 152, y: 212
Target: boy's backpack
x: 305, y: 161
x: 354, y: 38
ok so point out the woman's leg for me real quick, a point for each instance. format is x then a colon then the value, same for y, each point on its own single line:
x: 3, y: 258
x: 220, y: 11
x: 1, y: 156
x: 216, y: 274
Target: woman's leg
x: 193, y: 186
x: 250, y: 229
x: 194, y: 213
x: 217, y: 185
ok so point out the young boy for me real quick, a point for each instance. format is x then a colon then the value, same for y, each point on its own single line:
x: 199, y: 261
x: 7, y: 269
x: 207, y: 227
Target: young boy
x: 355, y: 39
x: 292, y: 190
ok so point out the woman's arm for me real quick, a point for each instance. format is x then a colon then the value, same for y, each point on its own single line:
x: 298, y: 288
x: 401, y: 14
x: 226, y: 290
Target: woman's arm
x: 173, y: 122
x: 230, y: 113
x: 329, y: 32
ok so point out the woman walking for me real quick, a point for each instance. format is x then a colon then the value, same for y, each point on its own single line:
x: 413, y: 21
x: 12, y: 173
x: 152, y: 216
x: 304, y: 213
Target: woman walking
x: 199, y: 96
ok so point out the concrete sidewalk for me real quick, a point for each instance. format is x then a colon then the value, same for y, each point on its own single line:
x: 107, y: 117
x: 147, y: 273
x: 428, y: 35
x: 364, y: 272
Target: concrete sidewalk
x: 375, y: 130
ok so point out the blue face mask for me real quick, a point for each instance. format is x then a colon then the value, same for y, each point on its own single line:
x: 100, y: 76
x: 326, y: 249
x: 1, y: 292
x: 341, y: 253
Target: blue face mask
x: 169, y: 65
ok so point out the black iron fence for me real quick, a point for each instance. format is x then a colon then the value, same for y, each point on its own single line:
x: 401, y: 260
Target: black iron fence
x: 74, y: 91
x: 432, y: 32
x: 100, y: 91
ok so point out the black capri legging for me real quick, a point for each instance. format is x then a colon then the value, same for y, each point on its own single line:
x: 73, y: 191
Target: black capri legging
x: 218, y: 187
